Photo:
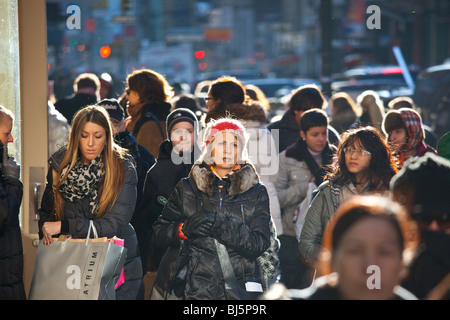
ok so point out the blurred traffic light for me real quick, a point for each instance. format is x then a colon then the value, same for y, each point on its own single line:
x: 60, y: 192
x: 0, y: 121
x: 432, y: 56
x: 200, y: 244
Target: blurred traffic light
x: 105, y: 52
x: 199, y: 54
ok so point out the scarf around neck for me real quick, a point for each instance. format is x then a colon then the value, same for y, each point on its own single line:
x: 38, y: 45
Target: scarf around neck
x: 83, y: 181
x: 299, y: 151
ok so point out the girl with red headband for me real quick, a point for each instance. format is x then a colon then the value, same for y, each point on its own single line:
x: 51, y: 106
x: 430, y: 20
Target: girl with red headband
x: 237, y: 217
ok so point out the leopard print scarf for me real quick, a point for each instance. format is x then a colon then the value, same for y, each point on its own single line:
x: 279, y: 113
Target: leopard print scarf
x: 83, y: 181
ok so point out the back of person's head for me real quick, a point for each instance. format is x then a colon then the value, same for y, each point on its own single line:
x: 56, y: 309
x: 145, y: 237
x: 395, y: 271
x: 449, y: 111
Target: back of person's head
x: 228, y: 89
x: 86, y: 80
x: 307, y: 97
x: 401, y: 102
x: 151, y: 86
x: 188, y: 101
x: 370, y: 100
x: 313, y: 118
x: 256, y: 94
x: 341, y: 102
x: 423, y: 187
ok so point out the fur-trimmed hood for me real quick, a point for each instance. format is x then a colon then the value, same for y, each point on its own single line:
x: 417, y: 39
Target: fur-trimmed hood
x: 240, y: 181
x: 247, y: 111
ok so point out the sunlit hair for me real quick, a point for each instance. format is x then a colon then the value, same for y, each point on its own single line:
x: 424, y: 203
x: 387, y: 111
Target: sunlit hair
x: 307, y: 97
x: 341, y: 102
x: 363, y: 207
x: 228, y: 90
x: 151, y: 86
x: 313, y: 118
x: 383, y: 165
x: 112, y: 155
x: 5, y: 113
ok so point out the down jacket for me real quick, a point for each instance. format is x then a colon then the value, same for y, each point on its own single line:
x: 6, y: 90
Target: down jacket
x: 242, y: 224
x: 261, y: 148
x: 115, y: 222
x: 11, y: 252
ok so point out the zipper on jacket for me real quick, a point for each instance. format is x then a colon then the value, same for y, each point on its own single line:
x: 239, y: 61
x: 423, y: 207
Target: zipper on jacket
x: 242, y: 212
x: 220, y: 196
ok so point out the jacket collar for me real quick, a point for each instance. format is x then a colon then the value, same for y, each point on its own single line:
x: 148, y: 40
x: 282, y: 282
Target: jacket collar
x: 240, y: 181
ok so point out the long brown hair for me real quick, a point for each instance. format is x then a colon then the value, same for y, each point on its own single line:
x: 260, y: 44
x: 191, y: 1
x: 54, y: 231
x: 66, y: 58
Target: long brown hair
x: 383, y: 165
x: 151, y: 86
x: 112, y: 155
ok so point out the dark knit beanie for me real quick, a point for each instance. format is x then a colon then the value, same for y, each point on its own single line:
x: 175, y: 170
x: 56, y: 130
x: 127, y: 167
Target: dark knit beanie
x: 180, y: 115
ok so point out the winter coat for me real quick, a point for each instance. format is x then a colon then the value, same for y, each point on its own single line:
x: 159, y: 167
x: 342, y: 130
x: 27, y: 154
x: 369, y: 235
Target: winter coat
x: 261, y: 148
x: 143, y: 158
x: 293, y: 178
x: 69, y: 107
x: 241, y: 223
x: 326, y: 201
x: 11, y: 251
x: 430, y: 266
x: 160, y: 182
x: 323, y: 289
x: 58, y: 129
x: 149, y: 126
x: 115, y: 222
x: 289, y: 131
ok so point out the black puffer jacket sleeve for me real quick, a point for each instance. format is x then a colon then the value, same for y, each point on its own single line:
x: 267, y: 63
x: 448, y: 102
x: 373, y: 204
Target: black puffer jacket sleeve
x: 165, y: 229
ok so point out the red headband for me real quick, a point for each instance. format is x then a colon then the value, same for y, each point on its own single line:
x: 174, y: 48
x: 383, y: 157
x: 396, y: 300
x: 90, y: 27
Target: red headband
x: 227, y: 126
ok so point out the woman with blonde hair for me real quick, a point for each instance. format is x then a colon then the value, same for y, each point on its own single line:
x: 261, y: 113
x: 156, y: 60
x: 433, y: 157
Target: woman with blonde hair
x: 372, y: 108
x: 344, y: 112
x: 93, y: 179
x: 238, y: 218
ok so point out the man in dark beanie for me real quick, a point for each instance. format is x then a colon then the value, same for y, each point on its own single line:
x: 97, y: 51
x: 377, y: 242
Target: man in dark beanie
x: 423, y: 187
x: 176, y: 156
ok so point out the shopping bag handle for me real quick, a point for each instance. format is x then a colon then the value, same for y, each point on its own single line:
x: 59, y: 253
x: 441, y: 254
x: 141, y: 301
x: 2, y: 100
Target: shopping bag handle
x: 91, y: 226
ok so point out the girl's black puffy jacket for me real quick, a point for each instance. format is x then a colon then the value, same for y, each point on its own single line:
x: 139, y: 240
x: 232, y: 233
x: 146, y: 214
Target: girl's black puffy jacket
x: 241, y: 223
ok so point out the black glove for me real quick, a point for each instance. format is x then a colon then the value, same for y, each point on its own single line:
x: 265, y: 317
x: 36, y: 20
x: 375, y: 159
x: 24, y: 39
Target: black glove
x: 204, y: 229
x: 197, y: 226
x: 10, y: 168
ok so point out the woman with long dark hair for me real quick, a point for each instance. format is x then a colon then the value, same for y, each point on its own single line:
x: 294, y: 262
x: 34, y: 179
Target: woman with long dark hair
x: 364, y: 164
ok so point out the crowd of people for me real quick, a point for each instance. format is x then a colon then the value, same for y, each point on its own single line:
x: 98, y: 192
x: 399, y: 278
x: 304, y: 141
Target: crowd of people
x: 219, y: 201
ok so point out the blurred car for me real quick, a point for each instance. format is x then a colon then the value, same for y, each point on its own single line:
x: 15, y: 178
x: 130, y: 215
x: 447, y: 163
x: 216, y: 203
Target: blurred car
x: 387, y: 81
x: 240, y: 74
x: 279, y: 87
x: 432, y: 96
x: 278, y: 91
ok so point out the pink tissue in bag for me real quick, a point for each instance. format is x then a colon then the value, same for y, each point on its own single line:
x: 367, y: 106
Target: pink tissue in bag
x: 119, y: 242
